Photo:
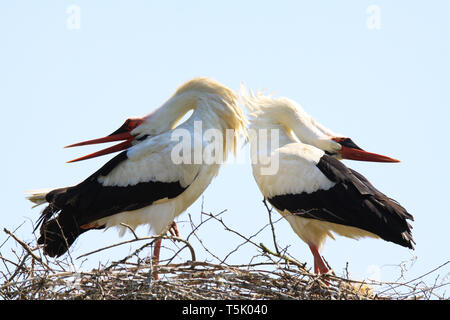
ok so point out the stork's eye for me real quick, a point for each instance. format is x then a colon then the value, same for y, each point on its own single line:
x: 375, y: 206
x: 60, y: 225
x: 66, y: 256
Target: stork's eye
x: 143, y: 137
x: 331, y: 153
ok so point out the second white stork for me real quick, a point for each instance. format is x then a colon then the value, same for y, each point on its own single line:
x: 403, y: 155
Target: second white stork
x: 315, y: 192
x: 143, y: 185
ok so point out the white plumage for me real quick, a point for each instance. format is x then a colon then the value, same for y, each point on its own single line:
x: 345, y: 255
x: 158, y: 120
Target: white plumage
x: 144, y: 185
x: 313, y: 191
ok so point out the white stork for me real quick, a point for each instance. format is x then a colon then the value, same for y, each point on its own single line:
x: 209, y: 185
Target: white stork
x: 314, y: 191
x: 143, y: 185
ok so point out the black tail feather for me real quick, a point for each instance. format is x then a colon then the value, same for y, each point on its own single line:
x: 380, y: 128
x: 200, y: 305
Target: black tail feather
x: 46, y: 214
x: 89, y: 201
x: 59, y: 233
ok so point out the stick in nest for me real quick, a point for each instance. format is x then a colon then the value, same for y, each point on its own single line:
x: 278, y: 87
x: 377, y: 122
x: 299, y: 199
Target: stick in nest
x: 136, y: 238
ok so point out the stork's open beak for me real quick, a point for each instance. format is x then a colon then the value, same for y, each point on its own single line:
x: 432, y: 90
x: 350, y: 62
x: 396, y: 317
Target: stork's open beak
x: 123, y: 133
x: 351, y: 151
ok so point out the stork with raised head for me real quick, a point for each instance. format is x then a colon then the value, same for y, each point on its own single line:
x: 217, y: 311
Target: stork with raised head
x: 315, y: 192
x: 142, y: 184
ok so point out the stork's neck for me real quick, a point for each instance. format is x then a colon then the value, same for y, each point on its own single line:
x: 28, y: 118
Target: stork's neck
x: 211, y: 110
x: 269, y: 136
x: 296, y: 126
x: 170, y: 113
x: 215, y: 118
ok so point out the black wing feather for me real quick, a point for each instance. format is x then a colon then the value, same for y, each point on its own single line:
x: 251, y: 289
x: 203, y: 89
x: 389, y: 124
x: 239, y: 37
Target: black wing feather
x: 353, y: 201
x: 72, y: 207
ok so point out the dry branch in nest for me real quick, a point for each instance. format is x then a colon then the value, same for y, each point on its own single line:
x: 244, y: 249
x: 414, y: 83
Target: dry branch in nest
x: 269, y: 274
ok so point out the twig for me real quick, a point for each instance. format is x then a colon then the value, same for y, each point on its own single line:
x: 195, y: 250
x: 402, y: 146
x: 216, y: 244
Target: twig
x: 269, y: 211
x: 12, y: 232
x: 198, y: 238
x: 130, y: 228
x: 269, y: 275
x: 25, y: 246
x: 285, y: 258
x: 154, y: 238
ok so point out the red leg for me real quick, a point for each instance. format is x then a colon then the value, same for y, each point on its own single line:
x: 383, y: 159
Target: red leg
x: 155, y: 259
x: 319, y: 264
x: 316, y: 266
x: 174, y: 230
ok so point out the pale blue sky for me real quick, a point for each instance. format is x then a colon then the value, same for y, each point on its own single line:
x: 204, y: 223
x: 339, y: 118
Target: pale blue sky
x: 387, y: 89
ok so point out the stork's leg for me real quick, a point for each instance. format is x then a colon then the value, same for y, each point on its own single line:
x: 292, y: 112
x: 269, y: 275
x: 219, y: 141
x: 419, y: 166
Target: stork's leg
x: 155, y: 259
x: 319, y: 264
x: 174, y: 230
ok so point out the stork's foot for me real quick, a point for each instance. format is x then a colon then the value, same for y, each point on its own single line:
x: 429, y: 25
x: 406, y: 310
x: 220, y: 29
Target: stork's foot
x: 155, y: 259
x: 319, y: 264
x: 174, y: 229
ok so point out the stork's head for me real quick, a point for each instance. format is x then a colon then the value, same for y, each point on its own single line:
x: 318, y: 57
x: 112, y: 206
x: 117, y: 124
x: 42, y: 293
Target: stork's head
x: 345, y: 148
x: 205, y: 95
x: 266, y: 110
x: 210, y: 100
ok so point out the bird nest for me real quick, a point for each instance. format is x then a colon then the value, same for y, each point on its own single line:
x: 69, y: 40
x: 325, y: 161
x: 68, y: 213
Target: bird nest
x: 35, y: 279
x: 272, y: 274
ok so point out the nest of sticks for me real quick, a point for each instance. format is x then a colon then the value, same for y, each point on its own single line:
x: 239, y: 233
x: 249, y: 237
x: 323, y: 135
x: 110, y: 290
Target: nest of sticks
x: 271, y: 274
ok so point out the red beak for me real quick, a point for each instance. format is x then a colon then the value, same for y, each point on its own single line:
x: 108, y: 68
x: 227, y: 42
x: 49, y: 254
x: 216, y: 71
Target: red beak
x: 351, y: 151
x: 123, y: 133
